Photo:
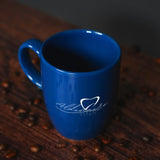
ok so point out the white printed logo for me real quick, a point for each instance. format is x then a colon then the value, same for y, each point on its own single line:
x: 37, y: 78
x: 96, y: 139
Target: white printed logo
x: 89, y: 99
x: 86, y: 105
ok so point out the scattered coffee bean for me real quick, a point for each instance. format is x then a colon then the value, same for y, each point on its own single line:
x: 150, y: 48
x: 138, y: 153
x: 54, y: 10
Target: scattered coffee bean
x: 37, y: 101
x: 106, y: 139
x: 75, y: 148
x: 22, y: 113
x: 5, y: 91
x: 97, y: 148
x: 146, y: 138
x: 47, y: 126
x: 158, y: 60
x: 30, y: 102
x: 11, y: 153
x: 151, y: 93
x: 124, y: 143
x: 5, y: 84
x: 17, y: 73
x: 35, y: 148
x: 61, y: 145
x: 13, y: 107
x: 32, y: 117
x: 22, y: 110
x: 22, y: 116
x: 138, y: 150
x: 133, y: 158
x: 30, y: 124
x: 2, y: 146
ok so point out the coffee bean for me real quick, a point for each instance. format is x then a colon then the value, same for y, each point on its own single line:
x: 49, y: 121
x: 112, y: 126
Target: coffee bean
x: 47, y: 126
x: 151, y: 93
x: 32, y: 117
x: 2, y: 146
x: 146, y: 138
x: 30, y: 124
x: 106, y: 139
x: 37, y: 101
x: 30, y: 102
x: 5, y: 91
x: 22, y: 116
x: 124, y: 143
x: 61, y: 145
x: 158, y: 60
x: 11, y: 153
x: 97, y: 148
x: 22, y: 113
x: 75, y: 148
x: 5, y: 84
x: 138, y: 150
x: 13, y: 107
x: 35, y: 148
x: 133, y: 158
x: 22, y: 110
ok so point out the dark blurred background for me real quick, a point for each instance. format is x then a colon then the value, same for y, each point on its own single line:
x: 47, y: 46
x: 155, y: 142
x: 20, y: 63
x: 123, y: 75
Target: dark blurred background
x: 131, y: 23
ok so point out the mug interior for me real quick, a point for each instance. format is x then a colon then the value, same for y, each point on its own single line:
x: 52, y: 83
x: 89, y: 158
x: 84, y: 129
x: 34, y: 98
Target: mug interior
x: 80, y: 50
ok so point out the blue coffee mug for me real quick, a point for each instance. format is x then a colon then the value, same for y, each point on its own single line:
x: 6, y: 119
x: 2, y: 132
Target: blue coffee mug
x: 79, y: 79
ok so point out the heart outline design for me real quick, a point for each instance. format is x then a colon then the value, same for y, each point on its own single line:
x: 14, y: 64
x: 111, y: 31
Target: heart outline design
x: 83, y: 99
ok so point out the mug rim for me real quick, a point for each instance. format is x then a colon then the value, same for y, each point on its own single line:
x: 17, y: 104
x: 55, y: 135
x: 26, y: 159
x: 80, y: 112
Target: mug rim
x: 107, y: 67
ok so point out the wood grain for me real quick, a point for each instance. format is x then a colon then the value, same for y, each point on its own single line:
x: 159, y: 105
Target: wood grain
x: 138, y: 113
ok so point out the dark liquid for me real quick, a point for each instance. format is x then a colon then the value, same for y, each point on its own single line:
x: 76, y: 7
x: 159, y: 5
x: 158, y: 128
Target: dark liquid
x: 69, y: 61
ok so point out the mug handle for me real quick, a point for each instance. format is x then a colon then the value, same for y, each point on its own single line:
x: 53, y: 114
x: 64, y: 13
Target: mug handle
x: 25, y: 61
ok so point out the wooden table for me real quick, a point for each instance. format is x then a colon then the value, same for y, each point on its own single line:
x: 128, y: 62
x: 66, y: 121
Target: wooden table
x: 25, y: 129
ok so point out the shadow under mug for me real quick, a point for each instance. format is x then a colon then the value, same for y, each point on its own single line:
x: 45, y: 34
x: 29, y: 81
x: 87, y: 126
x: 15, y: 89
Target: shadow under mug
x: 79, y: 79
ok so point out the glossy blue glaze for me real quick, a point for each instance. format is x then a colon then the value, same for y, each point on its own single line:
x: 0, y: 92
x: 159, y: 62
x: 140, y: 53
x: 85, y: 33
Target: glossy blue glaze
x: 79, y: 103
x: 25, y: 62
